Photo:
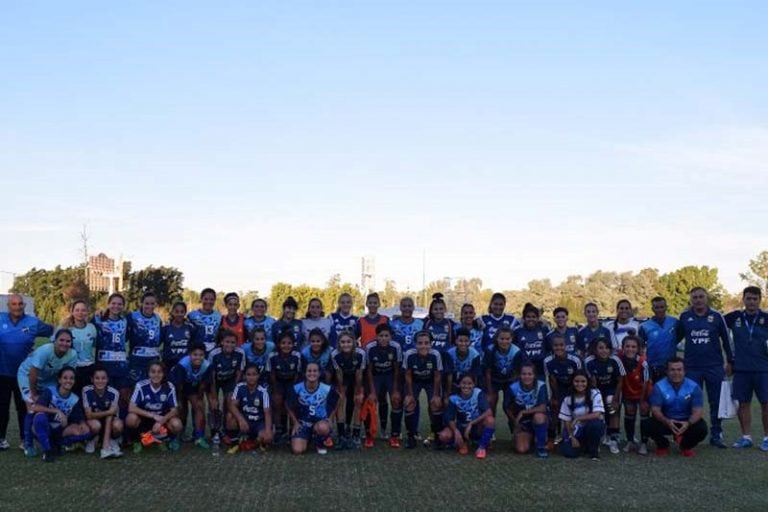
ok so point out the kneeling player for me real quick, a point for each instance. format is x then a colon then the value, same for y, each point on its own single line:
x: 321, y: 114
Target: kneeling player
x: 153, y: 410
x: 469, y: 417
x: 526, y: 407
x: 250, y: 412
x: 100, y: 403
x: 311, y: 406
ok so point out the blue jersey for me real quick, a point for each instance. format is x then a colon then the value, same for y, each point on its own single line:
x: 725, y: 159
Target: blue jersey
x: 493, y: 324
x: 339, y: 324
x: 423, y: 368
x: 704, y: 336
x: 465, y: 410
x: 561, y: 370
x: 144, y: 338
x: 403, y: 332
x: 155, y: 400
x: 750, y: 340
x: 176, y: 340
x: 533, y: 344
x: 69, y: 405
x: 225, y: 366
x: 323, y: 359
x: 96, y: 402
x: 206, y: 327
x: 660, y: 340
x: 251, y: 403
x: 520, y: 398
x: 475, y: 336
x: 502, y: 365
x: 458, y: 365
x: 312, y: 406
x: 83, y: 342
x: 570, y: 335
x: 677, y: 404
x: 606, y: 373
x: 17, y: 340
x: 112, y: 344
x: 349, y: 364
x: 587, y: 336
x: 48, y: 366
x: 383, y: 360
x: 285, y: 368
x: 186, y: 377
x: 294, y: 326
x: 251, y: 324
x: 260, y: 359
x: 442, y: 334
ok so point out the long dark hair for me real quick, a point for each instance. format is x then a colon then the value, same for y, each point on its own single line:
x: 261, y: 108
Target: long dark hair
x: 587, y: 392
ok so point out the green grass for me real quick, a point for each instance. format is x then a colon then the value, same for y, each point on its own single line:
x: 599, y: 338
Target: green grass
x: 385, y: 479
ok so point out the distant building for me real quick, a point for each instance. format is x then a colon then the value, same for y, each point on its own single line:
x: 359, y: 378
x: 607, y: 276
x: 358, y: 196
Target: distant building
x: 104, y: 275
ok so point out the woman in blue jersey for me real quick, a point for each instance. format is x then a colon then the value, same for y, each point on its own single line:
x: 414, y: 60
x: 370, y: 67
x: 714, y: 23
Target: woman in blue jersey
x: 57, y: 418
x: 311, y: 405
x: 383, y: 360
x: 462, y: 360
x: 285, y: 370
x: 176, y: 336
x: 592, y: 331
x: 257, y: 352
x: 41, y: 368
x: 606, y: 372
x: 623, y: 325
x: 581, y: 412
x: 469, y: 418
x: 526, y: 407
x: 500, y: 365
x: 112, y: 346
x: 227, y: 364
x: 100, y: 404
x: 496, y: 319
x: 83, y: 341
x: 349, y: 363
x: 258, y: 318
x: 440, y: 327
x: 153, y: 410
x: 192, y: 380
x: 207, y: 320
x: 423, y: 367
x: 318, y: 351
x: 289, y: 322
x: 531, y: 338
x: 315, y: 319
x: 250, y: 412
x: 559, y: 368
x: 342, y: 319
x: 472, y: 324
x: 569, y: 334
x: 144, y: 330
x: 405, y: 326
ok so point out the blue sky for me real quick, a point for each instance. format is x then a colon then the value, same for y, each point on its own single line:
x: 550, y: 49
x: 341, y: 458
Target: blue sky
x: 251, y: 142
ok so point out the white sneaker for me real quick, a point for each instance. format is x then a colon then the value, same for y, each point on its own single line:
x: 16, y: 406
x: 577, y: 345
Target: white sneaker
x: 90, y: 446
x: 115, y: 452
x: 105, y: 454
x: 4, y: 444
x: 605, y: 441
x: 642, y: 449
x: 322, y: 450
x: 613, y: 445
x: 629, y: 446
x: 114, y: 445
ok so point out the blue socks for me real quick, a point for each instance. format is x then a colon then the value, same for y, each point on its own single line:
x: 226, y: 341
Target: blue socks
x: 41, y: 430
x: 485, y: 438
x: 541, y: 435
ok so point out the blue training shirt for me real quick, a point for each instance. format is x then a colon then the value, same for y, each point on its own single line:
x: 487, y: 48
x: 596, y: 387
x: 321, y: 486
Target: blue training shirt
x: 207, y: 327
x: 464, y: 410
x: 403, y: 332
x: 69, y: 405
x: 144, y: 338
x: 660, y: 340
x: 312, y: 406
x: 706, y: 336
x: 677, y: 404
x: 750, y: 340
x: 18, y: 339
x: 339, y: 324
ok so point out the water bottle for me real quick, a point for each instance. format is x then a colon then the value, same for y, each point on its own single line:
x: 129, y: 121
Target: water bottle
x: 216, y: 449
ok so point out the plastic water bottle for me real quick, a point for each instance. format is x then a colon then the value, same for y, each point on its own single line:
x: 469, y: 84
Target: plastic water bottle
x: 216, y: 449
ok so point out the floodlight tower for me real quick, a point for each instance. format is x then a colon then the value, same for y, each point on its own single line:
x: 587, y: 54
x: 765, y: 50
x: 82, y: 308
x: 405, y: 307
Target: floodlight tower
x: 368, y: 275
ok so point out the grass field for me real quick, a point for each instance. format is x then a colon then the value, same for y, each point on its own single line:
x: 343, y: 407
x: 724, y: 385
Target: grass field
x: 386, y: 479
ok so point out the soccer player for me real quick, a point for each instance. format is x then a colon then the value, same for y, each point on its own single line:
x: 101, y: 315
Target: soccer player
x: 405, y: 326
x: 569, y: 334
x: 289, y: 322
x: 366, y: 325
x: 17, y: 338
x: 227, y: 362
x: 144, y: 329
x: 342, y: 320
x: 438, y: 325
x: 659, y: 334
x: 592, y: 331
x: 83, y: 341
x: 176, y: 336
x: 423, y: 367
x: 57, y: 418
x: 623, y: 324
x: 315, y: 319
x: 250, y: 412
x: 635, y: 391
x: 749, y: 328
x: 318, y: 351
x: 193, y: 380
x: 474, y: 325
x: 525, y: 404
x: 112, y: 346
x: 311, y: 405
x: 349, y: 363
x: 559, y: 368
x: 676, y: 406
x: 606, y: 373
x: 462, y: 359
x: 234, y: 321
x: 258, y: 318
x: 496, y: 319
x: 582, y: 415
x: 383, y: 360
x: 531, y: 338
x: 100, y: 404
x: 206, y: 320
x: 258, y: 351
x: 285, y: 368
x: 469, y: 418
x: 706, y: 337
x: 153, y: 410
x: 500, y: 365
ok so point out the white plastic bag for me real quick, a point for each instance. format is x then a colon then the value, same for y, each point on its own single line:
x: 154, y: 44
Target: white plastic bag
x: 728, y: 406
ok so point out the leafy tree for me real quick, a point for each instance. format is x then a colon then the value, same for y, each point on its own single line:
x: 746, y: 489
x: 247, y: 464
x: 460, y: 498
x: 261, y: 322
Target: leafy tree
x: 757, y: 274
x: 166, y: 283
x: 52, y: 290
x: 676, y: 286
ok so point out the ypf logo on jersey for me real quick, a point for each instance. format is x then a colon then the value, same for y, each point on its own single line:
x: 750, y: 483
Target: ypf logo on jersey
x: 429, y: 366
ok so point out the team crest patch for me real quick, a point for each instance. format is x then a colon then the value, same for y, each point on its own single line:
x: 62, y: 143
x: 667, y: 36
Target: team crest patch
x: 234, y: 364
x: 570, y: 371
x: 163, y: 397
x: 541, y: 335
x: 687, y: 397
x: 711, y: 318
x: 610, y: 369
x: 761, y: 321
x: 293, y: 366
x: 256, y: 402
x: 390, y: 356
x: 738, y: 322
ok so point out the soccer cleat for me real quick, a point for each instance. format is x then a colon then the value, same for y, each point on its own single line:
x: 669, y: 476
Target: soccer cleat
x: 717, y: 442
x: 595, y: 459
x: 106, y: 453
x: 200, y: 442
x: 427, y: 442
x: 48, y: 456
x: 613, y: 446
x: 369, y: 441
x: 688, y: 452
x: 743, y: 442
x: 322, y: 450
x: 356, y: 443
x: 662, y: 452
x: 542, y: 453
x: 232, y: 450
x: 90, y: 446
x: 138, y: 448
x: 463, y: 450
x: 328, y: 442
x: 629, y: 447
x: 115, y: 452
x: 30, y: 452
x: 4, y: 444
x: 480, y: 453
x: 410, y: 442
x: 394, y: 442
x: 764, y: 446
x: 642, y: 449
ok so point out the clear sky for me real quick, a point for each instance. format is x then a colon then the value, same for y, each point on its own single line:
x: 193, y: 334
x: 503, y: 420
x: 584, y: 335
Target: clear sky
x: 251, y: 142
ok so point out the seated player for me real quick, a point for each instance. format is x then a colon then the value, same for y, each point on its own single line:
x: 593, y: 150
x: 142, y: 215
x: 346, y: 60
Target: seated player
x: 350, y: 364
x: 153, y: 410
x: 311, y: 406
x: 469, y: 418
x: 100, y: 403
x: 423, y: 367
x: 250, y: 412
x: 383, y: 360
x: 526, y: 406
x: 57, y: 418
x: 582, y: 412
x: 191, y: 378
x: 227, y: 363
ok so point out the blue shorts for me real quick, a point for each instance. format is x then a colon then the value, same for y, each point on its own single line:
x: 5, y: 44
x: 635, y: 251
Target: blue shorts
x: 227, y: 386
x: 746, y: 383
x: 498, y: 387
x: 118, y: 376
x: 384, y: 384
x: 283, y: 387
x: 305, y: 431
x: 427, y: 387
x: 255, y: 428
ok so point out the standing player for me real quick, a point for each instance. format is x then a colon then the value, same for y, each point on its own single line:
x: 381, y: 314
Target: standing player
x: 112, y: 346
x: 659, y: 334
x: 750, y: 364
x: 316, y: 319
x: 318, y: 351
x: 635, y: 390
x: 257, y: 352
x: 468, y: 417
x: 423, y: 367
x: 462, y: 360
x: 531, y: 338
x: 227, y: 363
x: 367, y: 325
x: 473, y: 325
x: 496, y: 319
x: 623, y: 325
x: 349, y: 363
x: 250, y: 412
x: 607, y: 373
x: 526, y: 407
x: 83, y: 341
x: 500, y: 365
x: 559, y: 369
x: 569, y: 334
x: 592, y: 331
x: 706, y: 337
x: 206, y: 320
x: 311, y: 406
x: 285, y: 370
x: 383, y: 360
x: 258, y: 318
x: 176, y: 336
x: 144, y: 328
x: 192, y: 378
x: 405, y: 326
x: 153, y: 410
x: 289, y: 322
x: 342, y: 320
x: 233, y: 321
x: 438, y: 325
x: 100, y: 403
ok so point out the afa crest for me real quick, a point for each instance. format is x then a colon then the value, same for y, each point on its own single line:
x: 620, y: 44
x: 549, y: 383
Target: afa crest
x: 711, y: 318
x: 163, y: 397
